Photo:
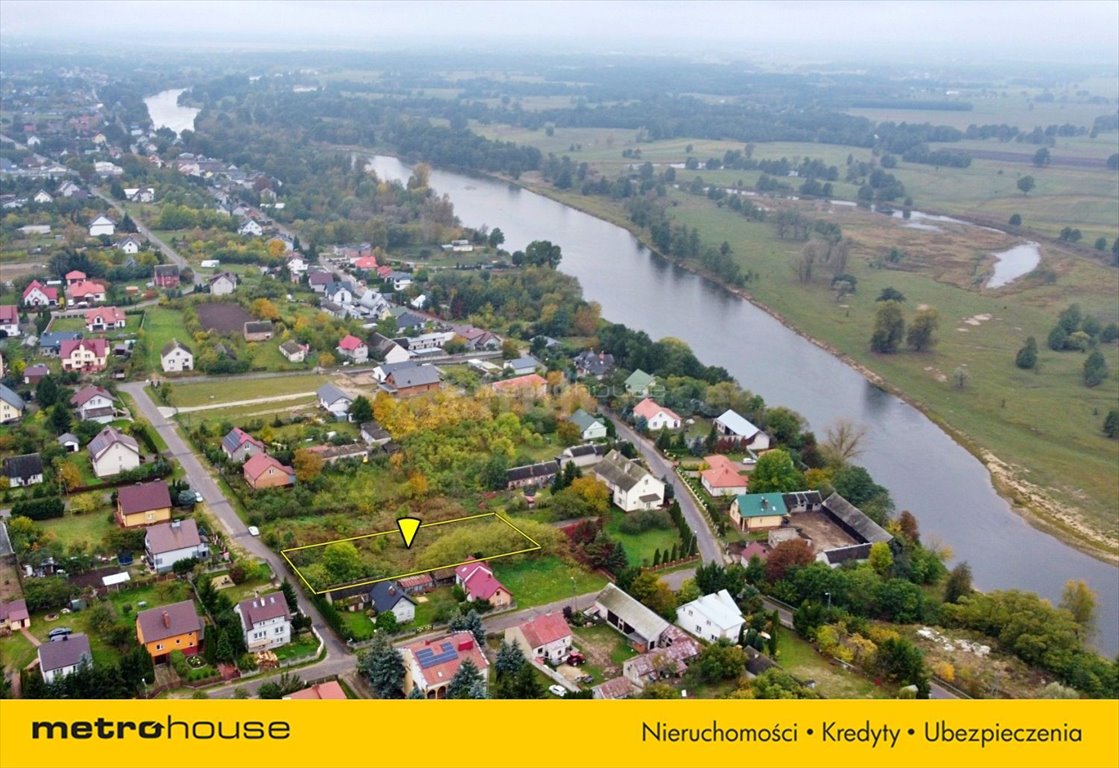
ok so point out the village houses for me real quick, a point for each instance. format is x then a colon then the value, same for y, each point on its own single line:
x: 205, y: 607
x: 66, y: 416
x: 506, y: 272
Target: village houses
x: 112, y: 452
x: 176, y: 357
x: 94, y: 404
x: 143, y: 504
x: 546, y: 637
x: 167, y: 628
x: 168, y: 543
x: 266, y: 621
x: 631, y: 486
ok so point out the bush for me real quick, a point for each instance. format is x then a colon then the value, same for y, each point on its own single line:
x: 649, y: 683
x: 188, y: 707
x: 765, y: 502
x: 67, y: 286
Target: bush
x: 645, y: 520
x: 39, y: 509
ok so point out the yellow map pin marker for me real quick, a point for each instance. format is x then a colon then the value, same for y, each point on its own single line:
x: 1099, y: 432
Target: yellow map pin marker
x: 408, y: 526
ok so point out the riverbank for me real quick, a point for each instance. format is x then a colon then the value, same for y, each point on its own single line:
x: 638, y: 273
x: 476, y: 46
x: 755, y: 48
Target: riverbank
x: 1028, y: 500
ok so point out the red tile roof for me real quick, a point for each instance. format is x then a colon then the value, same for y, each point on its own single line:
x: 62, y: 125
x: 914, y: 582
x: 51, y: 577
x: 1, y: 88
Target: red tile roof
x: 545, y: 629
x: 108, y: 315
x: 49, y: 290
x: 99, y: 347
x: 478, y: 580
x: 648, y: 408
x: 259, y: 463
x: 439, y: 658
x: 723, y: 473
x: 529, y: 380
x: 328, y: 690
x: 85, y: 288
x: 350, y: 343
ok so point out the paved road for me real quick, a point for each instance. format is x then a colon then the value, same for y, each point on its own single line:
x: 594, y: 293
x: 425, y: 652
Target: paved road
x: 171, y: 254
x: 710, y: 550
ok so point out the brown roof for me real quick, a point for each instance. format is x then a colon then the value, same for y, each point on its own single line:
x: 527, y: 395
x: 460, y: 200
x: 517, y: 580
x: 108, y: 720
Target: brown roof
x: 328, y: 690
x: 256, y: 610
x: 168, y: 621
x: 66, y: 652
x: 143, y: 497
x: 167, y: 537
x: 545, y: 629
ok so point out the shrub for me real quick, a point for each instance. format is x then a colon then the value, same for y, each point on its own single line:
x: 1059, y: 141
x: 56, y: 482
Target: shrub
x: 645, y: 520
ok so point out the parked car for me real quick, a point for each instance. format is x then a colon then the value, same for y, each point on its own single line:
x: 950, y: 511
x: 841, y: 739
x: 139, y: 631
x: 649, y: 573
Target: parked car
x: 254, y: 531
x: 58, y: 633
x: 198, y: 496
x: 557, y: 690
x: 575, y: 659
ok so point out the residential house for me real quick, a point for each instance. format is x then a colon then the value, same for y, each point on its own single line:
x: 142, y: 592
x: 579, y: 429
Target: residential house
x: 639, y: 383
x: 431, y: 664
x: 668, y: 662
x: 546, y: 637
x: 69, y: 442
x: 722, y: 477
x: 223, y: 284
x: 478, y: 339
x: 9, y: 320
x: 410, y: 382
x: 388, y: 351
x: 166, y: 276
x: 140, y: 194
x: 373, y: 434
x: 332, y: 399
x: 522, y: 366
x: 429, y: 341
x: 332, y: 454
x: 712, y: 617
x: 477, y: 580
x: 105, y: 319
x: 64, y: 656
x: 617, y: 688
x: 364, y: 262
x: 374, y: 305
x: 339, y: 293
x: 14, y: 615
x: 257, y: 330
x: 38, y: 294
x: 42, y: 197
x: 382, y: 372
x: 176, y: 357
x: 130, y: 245
x: 75, y: 276
x: 85, y: 293
x: 593, y: 364
x: 353, y: 349
x: 389, y: 596
x: 732, y: 426
x: 319, y: 279
x: 168, y: 543
x: 239, y: 445
x: 143, y: 504
x: 758, y: 511
x: 24, y: 470
x: 33, y: 374
x: 262, y: 471
x: 590, y: 427
x: 746, y: 551
x: 406, y: 321
x: 94, y: 404
x: 50, y: 343
x: 297, y: 266
x: 532, y: 475
x: 586, y: 455
x: 293, y: 351
x: 399, y: 280
x: 84, y: 355
x: 631, y: 486
x: 657, y: 417
x: 532, y: 385
x: 266, y: 621
x: 250, y: 228
x: 11, y: 406
x: 174, y: 627
x: 644, y: 629
x: 68, y: 189
x: 102, y: 225
x: 330, y: 690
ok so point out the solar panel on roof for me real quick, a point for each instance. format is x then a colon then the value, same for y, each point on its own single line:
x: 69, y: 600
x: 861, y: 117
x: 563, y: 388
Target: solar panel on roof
x: 428, y: 658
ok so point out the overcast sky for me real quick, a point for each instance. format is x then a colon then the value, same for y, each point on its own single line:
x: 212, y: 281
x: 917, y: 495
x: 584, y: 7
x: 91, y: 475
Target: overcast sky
x: 1050, y: 30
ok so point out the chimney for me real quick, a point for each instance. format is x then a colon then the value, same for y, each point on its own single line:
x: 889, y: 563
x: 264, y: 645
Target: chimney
x: 166, y: 620
x: 176, y: 524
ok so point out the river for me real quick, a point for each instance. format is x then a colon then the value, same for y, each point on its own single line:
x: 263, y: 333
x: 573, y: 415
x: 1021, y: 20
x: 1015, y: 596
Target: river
x: 166, y: 112
x: 927, y: 472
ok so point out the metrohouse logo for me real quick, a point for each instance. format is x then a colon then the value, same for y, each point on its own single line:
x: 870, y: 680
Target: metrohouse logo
x: 170, y: 729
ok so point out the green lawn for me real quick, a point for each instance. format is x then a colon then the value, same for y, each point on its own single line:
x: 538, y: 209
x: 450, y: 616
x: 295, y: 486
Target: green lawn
x: 90, y: 529
x: 302, y: 645
x: 606, y: 639
x: 640, y: 547
x: 211, y: 392
x: 832, y: 682
x: 360, y: 625
x: 161, y: 324
x: 540, y: 580
x: 437, y: 600
x: 16, y: 651
x: 132, y: 324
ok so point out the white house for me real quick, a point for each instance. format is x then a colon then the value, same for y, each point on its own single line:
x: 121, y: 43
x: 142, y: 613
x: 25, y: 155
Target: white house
x: 94, y: 404
x: 353, y: 349
x: 631, y: 486
x: 174, y: 357
x: 167, y: 543
x: 399, y: 280
x: 64, y: 656
x: 293, y: 351
x: 656, y: 416
x: 42, y: 197
x: 24, y: 470
x: 130, y: 245
x: 390, y: 596
x: 545, y: 637
x: 223, y: 284
x: 250, y: 229
x: 590, y: 428
x: 37, y: 294
x: 734, y: 427
x: 711, y: 617
x: 339, y: 293
x: 335, y: 400
x: 102, y: 225
x: 266, y: 621
x: 111, y: 453
x: 9, y: 319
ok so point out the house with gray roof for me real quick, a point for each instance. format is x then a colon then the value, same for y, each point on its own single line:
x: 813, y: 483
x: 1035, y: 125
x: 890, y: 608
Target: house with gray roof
x: 167, y: 543
x: 590, y: 427
x: 731, y: 426
x: 632, y: 487
x: 416, y: 380
x: 644, y: 629
x: 390, y: 596
x: 112, y: 452
x: 64, y: 656
x: 24, y: 470
x: 11, y: 406
x: 334, y: 400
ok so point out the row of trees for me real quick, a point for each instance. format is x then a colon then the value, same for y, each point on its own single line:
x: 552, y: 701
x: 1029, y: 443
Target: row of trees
x: 889, y: 325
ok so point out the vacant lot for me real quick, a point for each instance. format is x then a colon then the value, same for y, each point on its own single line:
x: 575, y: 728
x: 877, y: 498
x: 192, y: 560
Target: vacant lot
x: 230, y: 391
x: 223, y: 317
x: 540, y: 580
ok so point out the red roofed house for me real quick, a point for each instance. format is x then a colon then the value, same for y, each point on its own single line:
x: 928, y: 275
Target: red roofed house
x: 75, y: 276
x: 477, y: 580
x: 546, y: 637
x: 85, y: 292
x: 143, y: 504
x: 532, y: 383
x: 722, y: 478
x: 263, y: 471
x: 353, y: 349
x: 430, y: 665
x: 104, y: 319
x: 166, y: 276
x: 14, y: 615
x: 328, y: 690
x: 85, y: 355
x: 37, y: 294
x: 657, y: 417
x: 9, y: 319
x: 365, y: 262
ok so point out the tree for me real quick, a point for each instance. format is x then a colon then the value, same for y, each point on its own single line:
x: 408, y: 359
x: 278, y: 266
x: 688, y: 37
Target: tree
x: 496, y: 238
x: 775, y: 473
x: 902, y: 661
x: 60, y: 418
x: 960, y: 377
x: 1100, y: 244
x: 1058, y: 338
x: 290, y: 596
x: 1095, y: 369
x: 1079, y: 600
x: 720, y: 661
x: 1070, y: 318
x: 308, y: 465
x: 654, y: 594
x: 342, y: 562
x: 265, y: 310
x: 786, y: 556
x: 659, y: 691
x: 69, y: 475
x: 1015, y: 220
x: 891, y: 294
x: 889, y: 328
x: 855, y: 484
x: 1027, y: 355
x: 386, y: 622
x: 1026, y: 183
x: 46, y: 392
x: 493, y: 472
x: 472, y: 623
x: 1041, y: 158
x: 383, y: 666
x: 510, y: 659
x: 922, y: 331
x: 543, y: 253
x: 784, y: 424
x: 361, y: 410
x: 880, y: 558
x: 467, y: 682
x: 1111, y: 424
x: 843, y: 442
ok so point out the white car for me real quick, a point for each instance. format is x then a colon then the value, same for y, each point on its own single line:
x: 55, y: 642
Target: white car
x: 557, y: 690
x: 198, y: 496
x: 254, y: 531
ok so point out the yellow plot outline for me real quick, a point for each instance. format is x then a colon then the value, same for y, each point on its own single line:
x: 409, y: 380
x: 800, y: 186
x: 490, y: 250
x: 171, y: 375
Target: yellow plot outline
x: 284, y: 552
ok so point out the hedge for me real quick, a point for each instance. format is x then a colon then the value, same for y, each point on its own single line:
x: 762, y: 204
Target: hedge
x: 39, y: 509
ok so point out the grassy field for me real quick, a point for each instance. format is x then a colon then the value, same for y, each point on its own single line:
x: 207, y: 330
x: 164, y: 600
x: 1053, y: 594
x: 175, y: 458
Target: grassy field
x: 160, y: 326
x: 89, y: 530
x: 222, y: 390
x: 132, y: 324
x: 640, y: 547
x: 832, y: 682
x: 540, y: 580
